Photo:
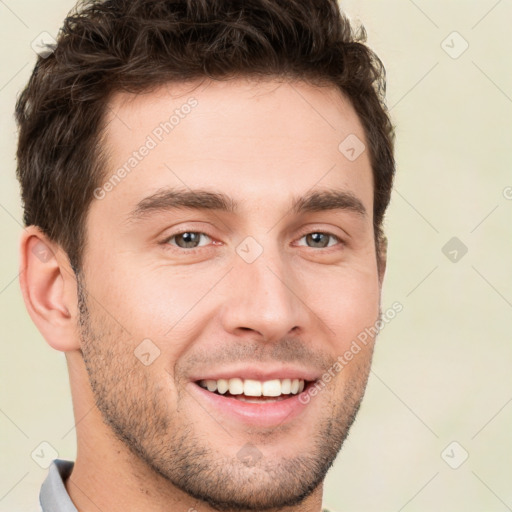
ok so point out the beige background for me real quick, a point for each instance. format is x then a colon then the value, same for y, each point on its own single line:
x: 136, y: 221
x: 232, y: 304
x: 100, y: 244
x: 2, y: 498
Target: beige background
x: 442, y: 367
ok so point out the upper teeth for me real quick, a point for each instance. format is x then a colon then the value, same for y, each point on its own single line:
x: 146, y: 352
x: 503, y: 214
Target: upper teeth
x: 249, y: 387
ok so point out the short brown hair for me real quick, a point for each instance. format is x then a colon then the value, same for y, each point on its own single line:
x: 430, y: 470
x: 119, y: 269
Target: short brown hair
x: 136, y: 45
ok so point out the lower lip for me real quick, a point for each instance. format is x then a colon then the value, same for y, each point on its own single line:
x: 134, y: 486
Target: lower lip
x: 263, y: 414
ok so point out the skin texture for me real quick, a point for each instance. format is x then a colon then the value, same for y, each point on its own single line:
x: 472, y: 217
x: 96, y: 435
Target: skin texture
x: 145, y: 442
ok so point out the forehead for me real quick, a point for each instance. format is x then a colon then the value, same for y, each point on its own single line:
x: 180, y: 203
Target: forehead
x: 266, y: 139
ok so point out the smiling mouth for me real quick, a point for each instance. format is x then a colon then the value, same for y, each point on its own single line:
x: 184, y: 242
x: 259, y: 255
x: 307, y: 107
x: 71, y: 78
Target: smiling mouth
x: 254, y: 391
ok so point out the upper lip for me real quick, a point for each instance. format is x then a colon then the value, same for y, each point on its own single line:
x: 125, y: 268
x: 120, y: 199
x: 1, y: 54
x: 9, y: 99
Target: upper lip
x: 261, y: 373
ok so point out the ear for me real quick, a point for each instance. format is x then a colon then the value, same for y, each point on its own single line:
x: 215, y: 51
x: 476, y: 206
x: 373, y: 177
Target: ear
x: 382, y: 255
x: 48, y: 285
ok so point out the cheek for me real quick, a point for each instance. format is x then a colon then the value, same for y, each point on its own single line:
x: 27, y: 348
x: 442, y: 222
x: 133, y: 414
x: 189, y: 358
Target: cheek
x: 168, y: 307
x: 347, y: 303
x: 149, y: 301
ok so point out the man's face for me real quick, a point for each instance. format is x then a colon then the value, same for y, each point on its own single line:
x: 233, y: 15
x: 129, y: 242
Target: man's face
x: 275, y: 276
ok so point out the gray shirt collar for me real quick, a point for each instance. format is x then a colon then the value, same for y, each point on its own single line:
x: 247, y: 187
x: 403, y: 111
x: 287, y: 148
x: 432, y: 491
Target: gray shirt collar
x: 53, y: 496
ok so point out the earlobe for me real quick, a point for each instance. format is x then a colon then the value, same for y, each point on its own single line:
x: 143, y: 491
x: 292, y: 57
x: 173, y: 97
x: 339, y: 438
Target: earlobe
x: 48, y: 286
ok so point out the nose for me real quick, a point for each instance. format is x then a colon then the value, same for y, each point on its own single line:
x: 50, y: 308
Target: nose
x: 263, y: 298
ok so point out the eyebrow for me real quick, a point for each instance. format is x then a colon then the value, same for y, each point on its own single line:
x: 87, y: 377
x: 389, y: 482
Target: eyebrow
x: 201, y: 199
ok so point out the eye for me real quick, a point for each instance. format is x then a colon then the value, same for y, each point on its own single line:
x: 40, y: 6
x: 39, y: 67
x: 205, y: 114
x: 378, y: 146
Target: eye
x: 319, y: 240
x: 187, y: 239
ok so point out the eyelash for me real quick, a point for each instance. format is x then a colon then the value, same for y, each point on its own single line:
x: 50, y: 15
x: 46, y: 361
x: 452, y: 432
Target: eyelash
x: 194, y: 249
